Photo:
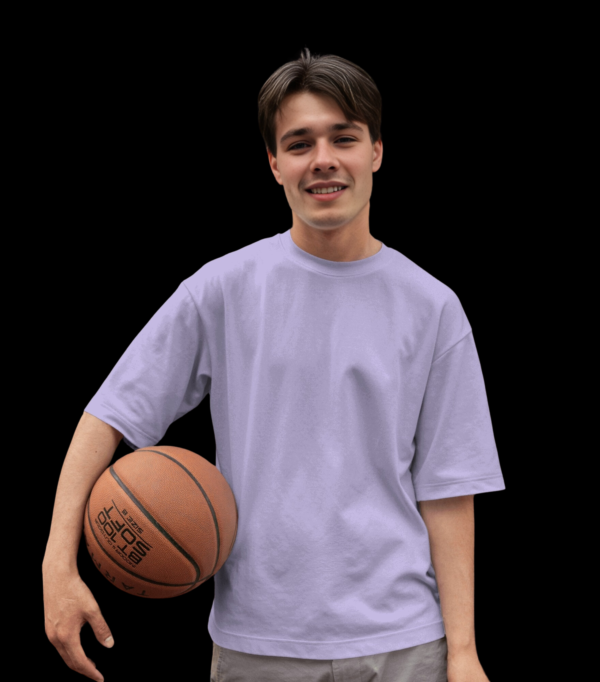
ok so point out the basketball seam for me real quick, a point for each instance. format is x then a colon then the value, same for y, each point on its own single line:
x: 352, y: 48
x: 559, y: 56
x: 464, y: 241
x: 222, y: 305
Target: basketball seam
x: 141, y: 577
x: 212, y: 511
x: 155, y: 523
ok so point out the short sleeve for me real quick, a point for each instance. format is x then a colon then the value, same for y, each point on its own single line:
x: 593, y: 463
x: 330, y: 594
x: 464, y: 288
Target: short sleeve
x: 455, y: 450
x: 164, y: 373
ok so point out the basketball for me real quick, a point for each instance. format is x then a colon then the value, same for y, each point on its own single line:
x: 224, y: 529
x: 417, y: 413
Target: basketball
x: 160, y: 521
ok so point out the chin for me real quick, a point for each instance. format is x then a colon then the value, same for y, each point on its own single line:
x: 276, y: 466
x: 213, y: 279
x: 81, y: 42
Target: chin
x: 326, y: 221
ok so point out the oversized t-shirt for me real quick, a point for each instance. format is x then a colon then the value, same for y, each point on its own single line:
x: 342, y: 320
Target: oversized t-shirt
x: 341, y: 393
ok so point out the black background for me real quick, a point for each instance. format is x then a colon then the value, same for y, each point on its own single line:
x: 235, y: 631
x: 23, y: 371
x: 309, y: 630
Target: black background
x: 147, y: 163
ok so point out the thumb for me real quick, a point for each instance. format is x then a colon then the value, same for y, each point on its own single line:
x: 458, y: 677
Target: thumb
x: 101, y: 629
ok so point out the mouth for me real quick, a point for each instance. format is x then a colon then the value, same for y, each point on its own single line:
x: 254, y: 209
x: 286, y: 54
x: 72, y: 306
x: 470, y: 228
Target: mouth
x: 327, y: 193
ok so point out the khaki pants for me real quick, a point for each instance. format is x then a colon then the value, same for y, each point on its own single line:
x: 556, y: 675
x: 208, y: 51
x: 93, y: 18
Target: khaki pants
x: 422, y: 663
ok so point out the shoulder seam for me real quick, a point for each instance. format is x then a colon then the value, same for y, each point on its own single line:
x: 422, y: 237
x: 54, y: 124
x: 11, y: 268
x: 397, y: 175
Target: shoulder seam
x: 452, y: 346
x: 202, y: 323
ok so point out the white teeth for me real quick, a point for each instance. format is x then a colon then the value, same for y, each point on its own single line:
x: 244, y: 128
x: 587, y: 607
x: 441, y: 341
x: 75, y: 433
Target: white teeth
x: 326, y: 190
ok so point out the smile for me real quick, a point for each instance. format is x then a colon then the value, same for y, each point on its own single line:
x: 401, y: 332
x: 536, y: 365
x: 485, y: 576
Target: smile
x: 326, y: 190
x: 326, y: 193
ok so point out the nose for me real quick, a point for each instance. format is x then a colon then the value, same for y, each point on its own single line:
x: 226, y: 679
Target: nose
x: 324, y: 158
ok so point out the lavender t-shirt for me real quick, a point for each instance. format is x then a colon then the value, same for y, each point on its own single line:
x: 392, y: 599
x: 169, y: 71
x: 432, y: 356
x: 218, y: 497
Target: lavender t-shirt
x: 340, y: 393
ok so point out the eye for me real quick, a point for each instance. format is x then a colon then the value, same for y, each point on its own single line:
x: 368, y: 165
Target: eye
x: 296, y: 146
x: 299, y: 145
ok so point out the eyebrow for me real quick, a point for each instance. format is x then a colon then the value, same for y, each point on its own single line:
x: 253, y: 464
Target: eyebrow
x: 307, y: 131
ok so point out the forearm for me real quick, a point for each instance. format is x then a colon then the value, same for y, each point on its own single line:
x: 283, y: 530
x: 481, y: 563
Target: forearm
x: 90, y: 452
x: 451, y: 526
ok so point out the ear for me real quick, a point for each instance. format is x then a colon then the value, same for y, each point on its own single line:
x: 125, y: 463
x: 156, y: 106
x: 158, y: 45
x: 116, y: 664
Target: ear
x: 273, y: 164
x: 377, y: 155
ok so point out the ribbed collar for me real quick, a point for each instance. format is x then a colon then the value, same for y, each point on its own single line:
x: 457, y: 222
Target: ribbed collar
x: 332, y: 267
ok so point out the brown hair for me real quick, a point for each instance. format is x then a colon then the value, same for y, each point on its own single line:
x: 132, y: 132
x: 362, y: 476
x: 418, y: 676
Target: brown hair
x: 351, y: 87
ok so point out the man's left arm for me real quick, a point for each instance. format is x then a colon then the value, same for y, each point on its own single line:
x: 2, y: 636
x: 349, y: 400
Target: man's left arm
x: 451, y: 526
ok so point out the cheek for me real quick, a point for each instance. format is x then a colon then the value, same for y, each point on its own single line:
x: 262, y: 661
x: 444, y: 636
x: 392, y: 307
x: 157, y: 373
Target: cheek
x: 360, y: 168
x: 291, y: 174
x: 364, y: 178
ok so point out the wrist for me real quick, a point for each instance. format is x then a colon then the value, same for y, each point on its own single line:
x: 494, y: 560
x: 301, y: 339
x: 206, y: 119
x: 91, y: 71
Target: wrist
x: 464, y: 646
x: 59, y: 564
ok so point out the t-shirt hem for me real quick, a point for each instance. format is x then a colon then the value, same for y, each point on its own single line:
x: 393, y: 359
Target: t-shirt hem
x: 132, y: 436
x: 457, y: 488
x: 326, y: 650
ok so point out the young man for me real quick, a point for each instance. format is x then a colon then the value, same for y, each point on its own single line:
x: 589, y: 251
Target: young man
x: 350, y: 417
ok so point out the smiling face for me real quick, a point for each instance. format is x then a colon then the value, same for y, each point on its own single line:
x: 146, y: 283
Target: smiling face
x: 319, y: 151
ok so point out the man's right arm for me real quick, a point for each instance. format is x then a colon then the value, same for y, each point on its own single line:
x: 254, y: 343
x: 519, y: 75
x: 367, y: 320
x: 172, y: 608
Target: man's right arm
x: 68, y: 602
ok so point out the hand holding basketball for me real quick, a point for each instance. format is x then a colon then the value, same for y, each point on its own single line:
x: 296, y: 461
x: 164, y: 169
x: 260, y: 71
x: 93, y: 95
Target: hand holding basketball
x: 158, y: 523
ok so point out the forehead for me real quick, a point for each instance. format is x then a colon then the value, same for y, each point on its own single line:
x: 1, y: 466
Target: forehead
x: 307, y: 110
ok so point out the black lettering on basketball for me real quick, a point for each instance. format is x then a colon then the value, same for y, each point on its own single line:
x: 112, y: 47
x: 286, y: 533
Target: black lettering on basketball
x: 133, y: 554
x: 135, y: 557
x: 128, y: 519
x: 141, y: 547
x: 111, y: 548
x: 127, y: 540
x: 109, y: 530
x: 117, y: 526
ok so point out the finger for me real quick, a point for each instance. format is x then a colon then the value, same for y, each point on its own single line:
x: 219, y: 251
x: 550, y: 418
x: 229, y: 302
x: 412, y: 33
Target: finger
x: 64, y: 655
x: 80, y: 662
x: 93, y: 663
x: 74, y: 665
x: 100, y: 628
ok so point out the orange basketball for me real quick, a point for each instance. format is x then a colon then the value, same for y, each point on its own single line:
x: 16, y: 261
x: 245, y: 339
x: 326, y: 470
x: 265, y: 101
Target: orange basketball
x: 160, y: 521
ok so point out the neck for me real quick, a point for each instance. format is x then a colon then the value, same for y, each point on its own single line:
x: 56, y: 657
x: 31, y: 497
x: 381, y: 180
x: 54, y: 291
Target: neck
x: 346, y: 243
